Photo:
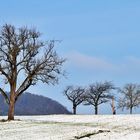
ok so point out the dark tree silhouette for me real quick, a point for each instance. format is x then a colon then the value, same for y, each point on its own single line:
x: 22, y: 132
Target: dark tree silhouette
x: 98, y: 93
x: 130, y: 97
x: 75, y: 95
x: 23, y: 55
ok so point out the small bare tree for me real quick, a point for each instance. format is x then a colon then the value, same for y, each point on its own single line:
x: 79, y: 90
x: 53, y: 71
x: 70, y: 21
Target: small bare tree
x: 25, y: 58
x: 75, y: 95
x: 130, y: 97
x: 98, y: 93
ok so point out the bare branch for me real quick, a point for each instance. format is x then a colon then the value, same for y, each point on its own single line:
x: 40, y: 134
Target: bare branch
x: 5, y: 95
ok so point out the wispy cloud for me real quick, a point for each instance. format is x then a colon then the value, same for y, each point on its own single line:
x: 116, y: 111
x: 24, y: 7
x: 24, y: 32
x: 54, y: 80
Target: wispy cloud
x: 89, y: 62
x: 128, y: 65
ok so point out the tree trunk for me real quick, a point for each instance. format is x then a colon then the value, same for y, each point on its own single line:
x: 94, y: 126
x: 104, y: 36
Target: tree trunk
x: 74, y: 110
x: 113, y: 107
x: 130, y: 110
x: 11, y: 106
x: 96, y: 110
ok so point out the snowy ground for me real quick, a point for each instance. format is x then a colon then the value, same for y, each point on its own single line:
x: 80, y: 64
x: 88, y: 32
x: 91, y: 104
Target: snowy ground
x: 69, y: 127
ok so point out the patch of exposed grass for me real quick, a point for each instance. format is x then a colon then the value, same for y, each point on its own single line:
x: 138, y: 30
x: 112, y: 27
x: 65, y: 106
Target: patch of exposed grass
x: 91, y: 134
x: 3, y: 120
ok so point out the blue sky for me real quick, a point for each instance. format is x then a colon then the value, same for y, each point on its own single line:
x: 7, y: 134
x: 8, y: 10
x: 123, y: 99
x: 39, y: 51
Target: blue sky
x: 100, y: 39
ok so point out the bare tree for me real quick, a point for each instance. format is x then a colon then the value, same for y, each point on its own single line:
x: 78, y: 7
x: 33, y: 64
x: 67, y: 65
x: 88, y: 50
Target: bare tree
x: 98, y: 93
x: 130, y: 97
x: 25, y: 58
x: 75, y: 95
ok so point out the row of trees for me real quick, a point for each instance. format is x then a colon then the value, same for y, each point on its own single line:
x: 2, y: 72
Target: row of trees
x: 25, y: 59
x: 99, y: 93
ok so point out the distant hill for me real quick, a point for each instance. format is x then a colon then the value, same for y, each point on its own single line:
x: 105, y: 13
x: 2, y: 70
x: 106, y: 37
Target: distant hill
x: 31, y: 104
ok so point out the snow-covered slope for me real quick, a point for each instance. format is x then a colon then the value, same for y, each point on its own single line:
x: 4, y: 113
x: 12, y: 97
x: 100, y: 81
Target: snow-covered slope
x: 70, y: 127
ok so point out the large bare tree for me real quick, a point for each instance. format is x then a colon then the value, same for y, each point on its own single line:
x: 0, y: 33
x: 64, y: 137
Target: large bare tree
x: 27, y: 59
x: 130, y: 97
x: 75, y: 95
x: 98, y: 93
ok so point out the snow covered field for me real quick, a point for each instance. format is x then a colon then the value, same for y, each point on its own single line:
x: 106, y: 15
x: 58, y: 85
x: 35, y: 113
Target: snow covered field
x: 70, y: 127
